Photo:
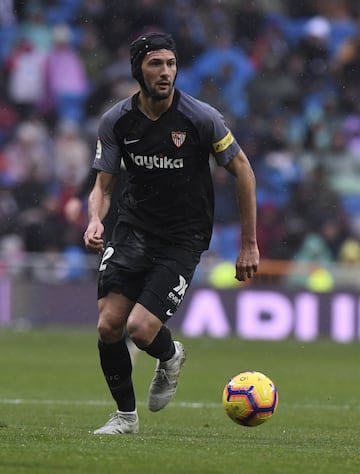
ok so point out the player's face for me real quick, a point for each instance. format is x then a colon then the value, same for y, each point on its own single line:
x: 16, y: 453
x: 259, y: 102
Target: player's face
x: 159, y: 72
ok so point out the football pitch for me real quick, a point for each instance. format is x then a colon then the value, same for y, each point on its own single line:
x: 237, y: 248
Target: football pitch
x: 52, y: 396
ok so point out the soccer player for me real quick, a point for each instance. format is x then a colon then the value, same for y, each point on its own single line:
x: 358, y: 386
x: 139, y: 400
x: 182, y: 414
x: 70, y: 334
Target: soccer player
x: 165, y: 139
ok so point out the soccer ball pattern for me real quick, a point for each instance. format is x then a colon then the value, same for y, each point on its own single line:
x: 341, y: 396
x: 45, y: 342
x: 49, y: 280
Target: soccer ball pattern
x: 250, y: 398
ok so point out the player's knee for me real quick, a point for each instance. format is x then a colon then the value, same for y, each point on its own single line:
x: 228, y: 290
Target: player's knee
x: 108, y: 332
x: 141, y: 334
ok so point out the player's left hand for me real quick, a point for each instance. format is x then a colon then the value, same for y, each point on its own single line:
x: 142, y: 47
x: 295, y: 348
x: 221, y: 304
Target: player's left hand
x: 247, y: 263
x: 92, y: 237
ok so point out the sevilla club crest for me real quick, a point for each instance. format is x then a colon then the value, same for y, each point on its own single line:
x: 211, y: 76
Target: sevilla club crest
x: 178, y: 138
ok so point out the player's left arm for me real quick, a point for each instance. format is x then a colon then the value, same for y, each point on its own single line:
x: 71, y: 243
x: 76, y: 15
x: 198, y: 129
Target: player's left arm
x: 248, y: 259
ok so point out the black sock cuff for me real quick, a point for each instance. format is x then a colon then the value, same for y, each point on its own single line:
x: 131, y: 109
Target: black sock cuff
x: 162, y: 346
x: 112, y: 348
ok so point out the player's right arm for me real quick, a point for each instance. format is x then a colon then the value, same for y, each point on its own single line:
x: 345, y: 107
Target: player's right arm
x: 98, y: 207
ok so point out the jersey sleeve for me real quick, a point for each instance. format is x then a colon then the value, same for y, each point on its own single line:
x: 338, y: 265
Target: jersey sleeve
x: 223, y: 143
x: 214, y: 133
x: 108, y: 154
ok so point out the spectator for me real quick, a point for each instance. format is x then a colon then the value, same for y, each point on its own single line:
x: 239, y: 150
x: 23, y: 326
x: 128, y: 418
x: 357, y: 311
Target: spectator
x: 226, y: 64
x: 146, y: 15
x: 8, y: 211
x: 270, y: 231
x: 29, y: 154
x: 250, y: 21
x: 275, y: 84
x: 8, y: 28
x: 25, y: 67
x: 9, y: 119
x: 183, y: 19
x: 314, y: 47
x: 67, y: 92
x: 34, y: 28
x: 314, y: 202
x: 94, y: 55
x: 225, y: 240
x: 72, y: 157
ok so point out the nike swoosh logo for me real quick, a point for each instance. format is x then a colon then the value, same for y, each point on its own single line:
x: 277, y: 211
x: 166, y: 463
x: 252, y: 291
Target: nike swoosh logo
x: 169, y: 312
x: 128, y: 142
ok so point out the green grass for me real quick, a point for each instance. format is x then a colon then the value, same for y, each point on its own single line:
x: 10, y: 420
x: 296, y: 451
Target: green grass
x: 52, y: 395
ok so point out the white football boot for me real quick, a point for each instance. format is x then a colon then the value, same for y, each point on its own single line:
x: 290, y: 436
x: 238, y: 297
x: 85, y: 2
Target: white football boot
x: 164, y: 383
x: 120, y: 423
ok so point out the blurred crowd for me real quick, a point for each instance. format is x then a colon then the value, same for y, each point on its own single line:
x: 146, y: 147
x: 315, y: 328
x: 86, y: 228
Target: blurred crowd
x: 286, y: 77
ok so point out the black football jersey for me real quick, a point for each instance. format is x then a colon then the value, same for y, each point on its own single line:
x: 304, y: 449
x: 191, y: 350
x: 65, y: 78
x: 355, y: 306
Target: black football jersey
x: 169, y: 191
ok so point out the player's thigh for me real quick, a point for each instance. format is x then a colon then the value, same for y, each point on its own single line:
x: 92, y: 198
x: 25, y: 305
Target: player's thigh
x: 166, y: 284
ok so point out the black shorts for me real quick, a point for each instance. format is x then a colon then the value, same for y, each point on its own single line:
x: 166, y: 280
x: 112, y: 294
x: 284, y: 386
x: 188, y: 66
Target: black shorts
x: 147, y: 270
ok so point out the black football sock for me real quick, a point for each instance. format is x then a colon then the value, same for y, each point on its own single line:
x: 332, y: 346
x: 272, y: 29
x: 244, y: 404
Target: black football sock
x: 117, y: 368
x: 162, y: 346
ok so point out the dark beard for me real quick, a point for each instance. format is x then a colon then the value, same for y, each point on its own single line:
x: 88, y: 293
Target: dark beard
x: 158, y: 97
x: 155, y: 95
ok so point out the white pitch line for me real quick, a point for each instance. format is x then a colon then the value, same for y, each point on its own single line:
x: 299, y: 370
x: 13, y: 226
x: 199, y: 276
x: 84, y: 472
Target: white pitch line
x: 305, y: 406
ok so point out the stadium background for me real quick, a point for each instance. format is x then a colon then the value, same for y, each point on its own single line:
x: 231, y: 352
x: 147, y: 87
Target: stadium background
x: 286, y: 76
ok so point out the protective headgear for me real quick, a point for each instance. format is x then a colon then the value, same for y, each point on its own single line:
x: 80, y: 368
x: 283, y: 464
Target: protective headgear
x: 144, y: 44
